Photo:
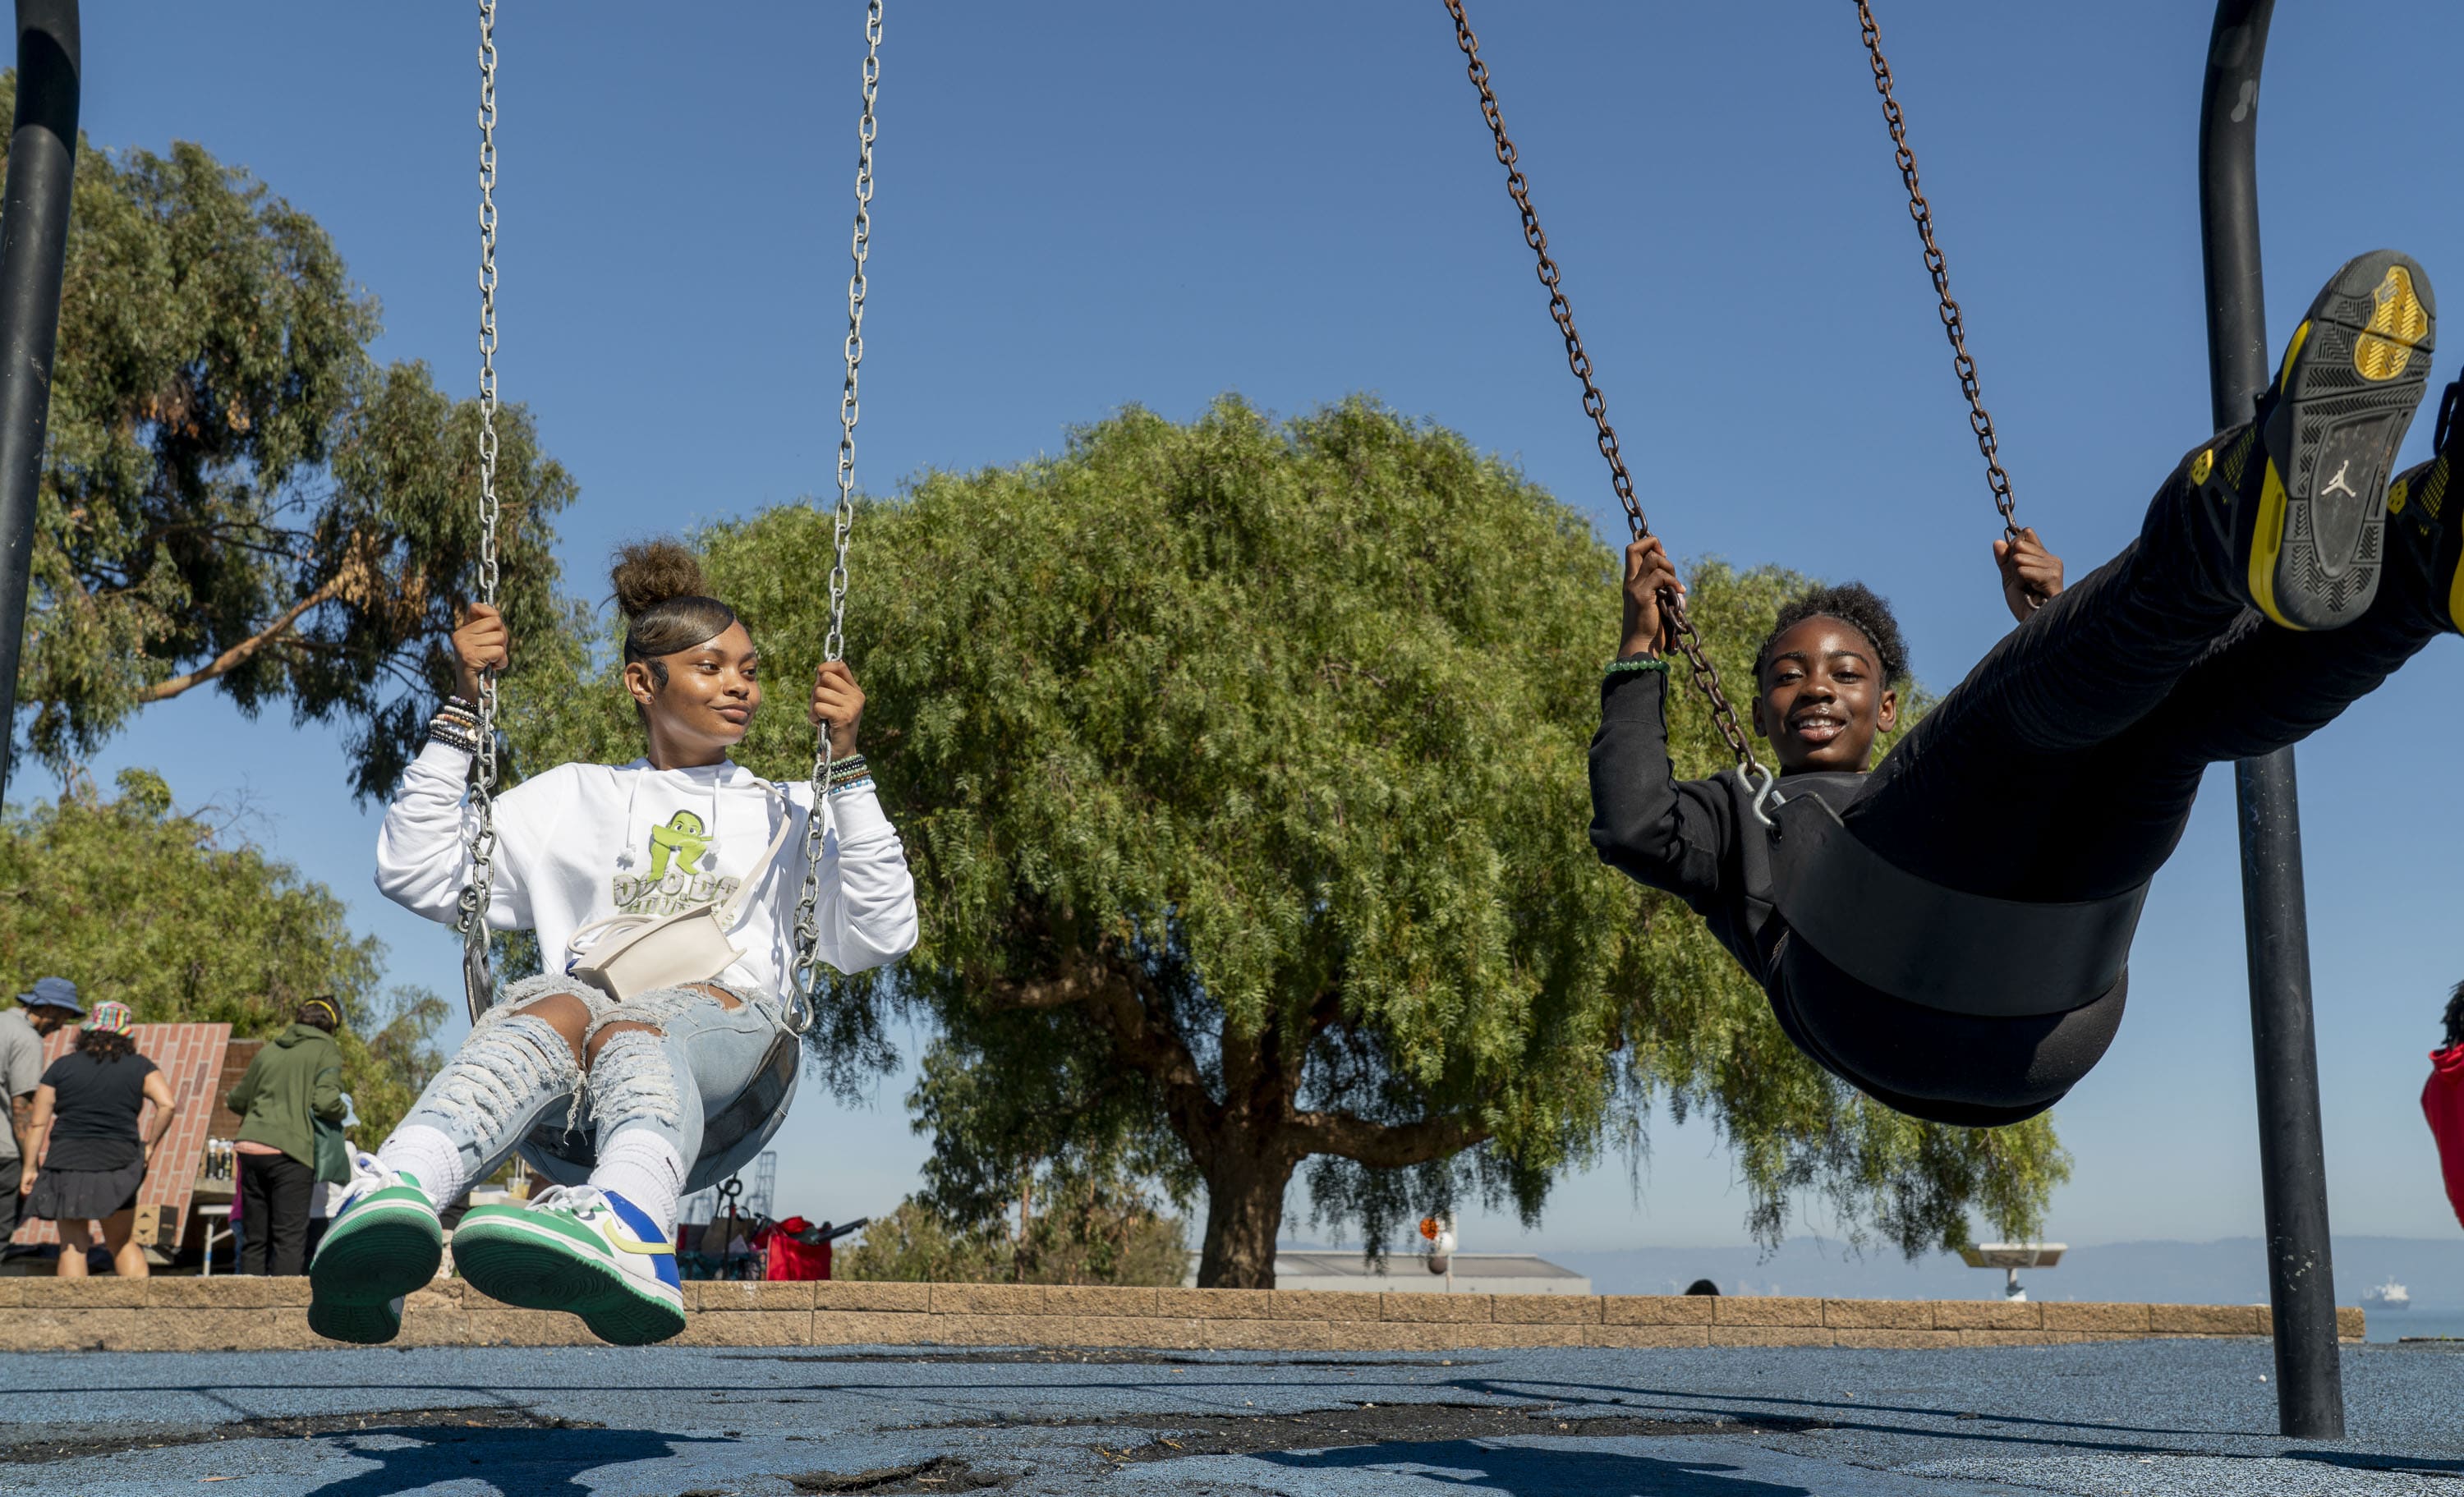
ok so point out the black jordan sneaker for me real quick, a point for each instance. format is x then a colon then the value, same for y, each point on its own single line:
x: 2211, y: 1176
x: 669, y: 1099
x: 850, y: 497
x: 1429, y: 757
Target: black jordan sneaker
x: 2311, y: 493
x: 2426, y: 498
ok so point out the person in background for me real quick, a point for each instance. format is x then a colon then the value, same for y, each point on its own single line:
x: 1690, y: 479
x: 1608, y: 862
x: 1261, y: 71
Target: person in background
x: 2442, y: 1101
x: 52, y: 1004
x: 293, y: 1084
x: 92, y: 1156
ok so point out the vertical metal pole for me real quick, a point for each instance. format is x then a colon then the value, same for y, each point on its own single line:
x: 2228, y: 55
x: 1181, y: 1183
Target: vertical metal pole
x: 33, y: 243
x: 2292, y: 1153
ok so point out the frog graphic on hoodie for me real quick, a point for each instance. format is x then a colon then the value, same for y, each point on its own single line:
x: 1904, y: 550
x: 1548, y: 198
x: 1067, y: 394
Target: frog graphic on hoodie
x: 671, y: 881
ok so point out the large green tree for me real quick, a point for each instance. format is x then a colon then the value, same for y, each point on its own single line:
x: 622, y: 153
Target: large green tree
x: 236, y: 493
x: 1241, y: 767
x: 179, y: 915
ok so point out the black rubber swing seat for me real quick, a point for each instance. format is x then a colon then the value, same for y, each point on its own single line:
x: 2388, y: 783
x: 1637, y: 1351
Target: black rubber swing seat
x: 729, y: 1135
x: 1936, y: 947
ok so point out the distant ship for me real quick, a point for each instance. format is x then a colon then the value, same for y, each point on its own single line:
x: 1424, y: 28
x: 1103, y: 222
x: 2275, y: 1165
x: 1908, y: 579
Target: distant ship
x: 2389, y: 1295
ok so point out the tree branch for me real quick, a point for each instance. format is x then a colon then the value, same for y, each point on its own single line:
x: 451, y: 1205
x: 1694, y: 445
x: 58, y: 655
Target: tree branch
x: 238, y: 654
x: 1111, y: 998
x: 1075, y: 986
x: 1385, y: 1146
x: 1154, y: 1047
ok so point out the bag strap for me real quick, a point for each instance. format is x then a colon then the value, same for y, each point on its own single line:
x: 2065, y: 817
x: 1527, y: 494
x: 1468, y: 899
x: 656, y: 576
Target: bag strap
x: 758, y: 872
x: 1936, y: 947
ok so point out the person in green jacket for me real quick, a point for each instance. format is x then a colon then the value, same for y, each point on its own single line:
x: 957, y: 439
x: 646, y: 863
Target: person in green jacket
x: 293, y: 1084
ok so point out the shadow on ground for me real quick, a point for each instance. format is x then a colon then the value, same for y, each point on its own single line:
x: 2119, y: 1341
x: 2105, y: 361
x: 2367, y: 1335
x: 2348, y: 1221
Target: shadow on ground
x: 1525, y: 1471
x: 532, y: 1462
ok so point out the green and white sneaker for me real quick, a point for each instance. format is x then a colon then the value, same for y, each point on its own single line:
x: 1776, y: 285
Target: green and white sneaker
x: 384, y: 1242
x: 581, y: 1249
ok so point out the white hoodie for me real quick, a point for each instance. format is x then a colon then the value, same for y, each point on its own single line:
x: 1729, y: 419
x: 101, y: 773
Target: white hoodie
x: 583, y: 841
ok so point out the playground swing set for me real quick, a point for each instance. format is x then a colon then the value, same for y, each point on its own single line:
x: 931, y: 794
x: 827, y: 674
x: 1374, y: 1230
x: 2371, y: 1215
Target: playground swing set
x: 731, y: 1135
x: 1928, y: 945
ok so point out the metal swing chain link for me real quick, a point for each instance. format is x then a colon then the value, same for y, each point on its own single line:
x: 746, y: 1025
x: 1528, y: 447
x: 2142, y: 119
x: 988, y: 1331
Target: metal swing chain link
x: 472, y: 923
x: 1679, y: 629
x: 1979, y: 420
x: 805, y: 978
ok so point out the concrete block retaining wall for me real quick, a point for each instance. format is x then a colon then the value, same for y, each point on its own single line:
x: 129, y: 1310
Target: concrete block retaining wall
x: 41, y: 1314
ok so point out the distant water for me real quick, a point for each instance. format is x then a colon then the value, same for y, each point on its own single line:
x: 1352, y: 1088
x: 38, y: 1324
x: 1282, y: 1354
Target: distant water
x: 2421, y: 1320
x: 2231, y: 1272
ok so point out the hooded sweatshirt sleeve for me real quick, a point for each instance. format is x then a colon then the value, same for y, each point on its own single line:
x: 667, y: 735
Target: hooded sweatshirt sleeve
x: 326, y: 1102
x: 868, y: 904
x: 423, y: 860
x: 1660, y: 832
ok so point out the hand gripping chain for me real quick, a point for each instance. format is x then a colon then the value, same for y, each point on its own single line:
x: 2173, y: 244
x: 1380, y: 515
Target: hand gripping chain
x: 473, y: 919
x: 1679, y: 630
x: 806, y: 975
x: 1979, y: 420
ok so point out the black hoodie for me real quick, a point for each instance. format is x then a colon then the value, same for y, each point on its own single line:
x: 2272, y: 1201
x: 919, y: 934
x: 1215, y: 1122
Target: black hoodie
x: 1691, y: 839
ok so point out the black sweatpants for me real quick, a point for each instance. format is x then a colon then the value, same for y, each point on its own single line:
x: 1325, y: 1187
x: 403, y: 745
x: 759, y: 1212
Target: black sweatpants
x: 273, y: 1192
x: 2064, y: 768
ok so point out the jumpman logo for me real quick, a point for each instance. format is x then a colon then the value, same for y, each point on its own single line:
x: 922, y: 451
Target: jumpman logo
x: 2338, y: 481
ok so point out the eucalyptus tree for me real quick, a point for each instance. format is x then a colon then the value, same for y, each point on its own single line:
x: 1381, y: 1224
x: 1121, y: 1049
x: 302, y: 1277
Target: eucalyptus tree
x: 236, y: 493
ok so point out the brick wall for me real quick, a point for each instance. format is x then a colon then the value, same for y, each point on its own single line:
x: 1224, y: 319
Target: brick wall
x: 271, y: 1314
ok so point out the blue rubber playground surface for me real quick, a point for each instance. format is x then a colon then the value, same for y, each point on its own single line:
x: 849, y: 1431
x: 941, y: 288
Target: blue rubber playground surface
x: 2122, y: 1420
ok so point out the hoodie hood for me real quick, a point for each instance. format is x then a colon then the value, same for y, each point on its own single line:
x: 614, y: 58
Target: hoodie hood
x: 298, y: 1034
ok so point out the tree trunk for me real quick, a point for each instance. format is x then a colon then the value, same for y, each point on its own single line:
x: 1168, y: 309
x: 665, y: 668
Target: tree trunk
x: 1244, y: 1213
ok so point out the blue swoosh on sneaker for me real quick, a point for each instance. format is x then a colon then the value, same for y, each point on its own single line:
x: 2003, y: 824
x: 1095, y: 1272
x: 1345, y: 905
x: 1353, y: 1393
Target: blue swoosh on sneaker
x: 646, y: 1231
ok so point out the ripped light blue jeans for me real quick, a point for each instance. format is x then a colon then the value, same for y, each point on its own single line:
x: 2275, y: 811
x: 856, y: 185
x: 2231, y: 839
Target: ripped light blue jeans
x: 711, y: 1078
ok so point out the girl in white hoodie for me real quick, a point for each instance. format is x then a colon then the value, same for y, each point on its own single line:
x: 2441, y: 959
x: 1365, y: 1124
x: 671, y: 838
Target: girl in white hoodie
x: 558, y: 1054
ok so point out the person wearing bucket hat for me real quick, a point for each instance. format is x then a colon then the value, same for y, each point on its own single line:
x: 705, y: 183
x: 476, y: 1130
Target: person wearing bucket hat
x: 53, y: 1003
x: 58, y: 995
x: 92, y: 1155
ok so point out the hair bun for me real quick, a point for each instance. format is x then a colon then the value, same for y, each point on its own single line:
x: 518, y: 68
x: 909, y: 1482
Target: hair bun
x: 648, y: 573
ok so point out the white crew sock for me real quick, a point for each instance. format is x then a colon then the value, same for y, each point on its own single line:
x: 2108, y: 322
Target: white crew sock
x: 646, y: 1170
x: 429, y: 1155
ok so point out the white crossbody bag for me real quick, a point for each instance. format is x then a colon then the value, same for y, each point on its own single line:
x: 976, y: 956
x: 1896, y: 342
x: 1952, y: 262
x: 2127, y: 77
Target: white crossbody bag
x: 627, y: 956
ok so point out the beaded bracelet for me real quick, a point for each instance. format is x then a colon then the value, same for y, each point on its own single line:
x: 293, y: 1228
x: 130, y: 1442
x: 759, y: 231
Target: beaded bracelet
x: 852, y: 767
x: 1648, y: 663
x: 455, y: 725
x: 839, y: 789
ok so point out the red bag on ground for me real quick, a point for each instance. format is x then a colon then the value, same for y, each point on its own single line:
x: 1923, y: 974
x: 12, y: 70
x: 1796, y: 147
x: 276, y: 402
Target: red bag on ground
x: 2442, y: 1102
x: 791, y: 1257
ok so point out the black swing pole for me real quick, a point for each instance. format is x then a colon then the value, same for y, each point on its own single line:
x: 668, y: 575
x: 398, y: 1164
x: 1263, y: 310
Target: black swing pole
x: 2291, y: 1151
x: 34, y: 245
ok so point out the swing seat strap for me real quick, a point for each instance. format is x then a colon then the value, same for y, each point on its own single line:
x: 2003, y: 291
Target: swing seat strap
x: 1935, y: 947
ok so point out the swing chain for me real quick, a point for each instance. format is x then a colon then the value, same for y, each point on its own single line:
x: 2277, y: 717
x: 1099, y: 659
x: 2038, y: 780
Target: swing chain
x: 806, y: 977
x: 1677, y: 628
x: 1979, y: 419
x: 472, y: 920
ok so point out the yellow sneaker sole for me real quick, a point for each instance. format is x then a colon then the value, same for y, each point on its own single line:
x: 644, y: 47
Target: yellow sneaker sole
x: 2345, y: 395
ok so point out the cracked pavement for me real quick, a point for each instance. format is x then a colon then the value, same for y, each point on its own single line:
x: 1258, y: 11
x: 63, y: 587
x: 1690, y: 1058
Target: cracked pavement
x: 2110, y: 1420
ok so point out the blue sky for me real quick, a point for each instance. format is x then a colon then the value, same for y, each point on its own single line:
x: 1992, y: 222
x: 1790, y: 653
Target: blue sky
x: 1090, y: 204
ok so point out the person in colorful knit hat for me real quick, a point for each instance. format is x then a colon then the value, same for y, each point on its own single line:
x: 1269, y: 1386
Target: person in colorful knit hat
x: 86, y: 1141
